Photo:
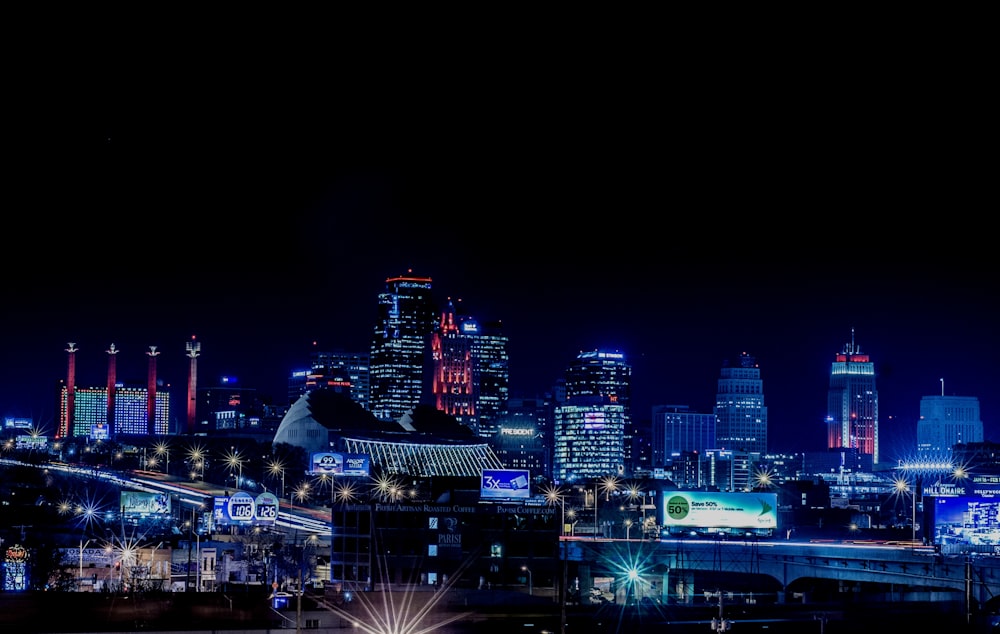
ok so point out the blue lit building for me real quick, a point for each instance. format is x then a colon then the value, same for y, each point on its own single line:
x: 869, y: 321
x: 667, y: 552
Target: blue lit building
x: 741, y: 416
x: 400, y: 344
x: 589, y: 439
x: 946, y: 421
x: 676, y: 430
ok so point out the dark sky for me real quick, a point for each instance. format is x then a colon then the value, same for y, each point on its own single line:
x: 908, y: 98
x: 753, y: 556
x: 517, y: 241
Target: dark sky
x: 681, y: 212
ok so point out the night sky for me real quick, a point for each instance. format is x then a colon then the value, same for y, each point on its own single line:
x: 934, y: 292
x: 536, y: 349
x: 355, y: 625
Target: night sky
x: 682, y: 219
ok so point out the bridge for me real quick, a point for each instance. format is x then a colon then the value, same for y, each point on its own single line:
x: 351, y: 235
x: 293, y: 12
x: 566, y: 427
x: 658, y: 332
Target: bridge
x: 899, y: 570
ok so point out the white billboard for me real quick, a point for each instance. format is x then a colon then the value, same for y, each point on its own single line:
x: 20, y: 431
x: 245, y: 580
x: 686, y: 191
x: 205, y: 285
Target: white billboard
x: 708, y: 509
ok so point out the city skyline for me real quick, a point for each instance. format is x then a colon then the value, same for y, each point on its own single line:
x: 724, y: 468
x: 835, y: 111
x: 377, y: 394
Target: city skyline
x: 91, y: 367
x: 261, y: 229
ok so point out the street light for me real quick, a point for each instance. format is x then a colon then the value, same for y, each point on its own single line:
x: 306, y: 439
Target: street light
x: 163, y: 449
x: 902, y: 487
x: 628, y: 528
x: 235, y: 461
x: 528, y: 570
x: 609, y: 484
x: 553, y: 495
x: 276, y: 467
x: 79, y: 579
x: 301, y: 492
x: 197, y: 457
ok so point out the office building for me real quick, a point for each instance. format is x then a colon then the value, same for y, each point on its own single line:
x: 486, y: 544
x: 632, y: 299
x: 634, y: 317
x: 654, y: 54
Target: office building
x: 491, y: 372
x: 596, y: 410
x: 677, y: 430
x: 400, y: 346
x: 454, y: 385
x: 741, y: 417
x: 852, y: 403
x: 530, y: 413
x: 589, y: 439
x: 227, y: 407
x: 90, y: 417
x: 338, y: 370
x: 519, y: 444
x: 601, y: 373
x: 946, y: 421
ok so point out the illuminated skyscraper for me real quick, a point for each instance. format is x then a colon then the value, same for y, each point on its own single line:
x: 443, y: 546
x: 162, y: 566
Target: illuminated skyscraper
x: 852, y: 403
x: 589, y: 440
x: 601, y: 373
x: 590, y: 427
x: 741, y: 417
x: 491, y: 372
x: 401, y: 345
x: 454, y: 387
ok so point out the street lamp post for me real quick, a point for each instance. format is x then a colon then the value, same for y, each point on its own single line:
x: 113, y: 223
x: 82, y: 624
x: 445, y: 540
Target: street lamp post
x: 235, y: 460
x: 79, y: 579
x: 556, y: 494
x: 596, y: 524
x: 277, y: 467
x: 160, y: 450
x: 902, y: 487
x: 528, y: 570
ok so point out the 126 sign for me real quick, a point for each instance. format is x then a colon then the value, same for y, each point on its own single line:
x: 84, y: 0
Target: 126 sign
x: 243, y: 509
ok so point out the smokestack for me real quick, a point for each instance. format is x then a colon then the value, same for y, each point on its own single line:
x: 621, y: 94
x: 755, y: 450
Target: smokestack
x: 112, y: 379
x: 193, y: 350
x: 151, y: 393
x: 68, y: 419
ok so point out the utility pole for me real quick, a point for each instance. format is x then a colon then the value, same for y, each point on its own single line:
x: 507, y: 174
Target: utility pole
x: 720, y: 624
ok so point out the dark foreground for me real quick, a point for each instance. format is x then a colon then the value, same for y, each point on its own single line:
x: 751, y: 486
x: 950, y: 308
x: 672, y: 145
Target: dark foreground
x: 506, y: 613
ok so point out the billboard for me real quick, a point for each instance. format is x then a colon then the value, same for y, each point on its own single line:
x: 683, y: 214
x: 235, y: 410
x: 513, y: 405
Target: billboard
x: 710, y: 509
x: 336, y: 463
x: 965, y: 520
x: 142, y: 504
x: 505, y: 484
x: 245, y: 510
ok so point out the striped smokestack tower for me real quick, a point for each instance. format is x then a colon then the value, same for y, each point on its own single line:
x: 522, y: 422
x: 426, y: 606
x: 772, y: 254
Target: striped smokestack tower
x: 112, y: 379
x: 151, y: 392
x: 67, y: 419
x: 193, y: 350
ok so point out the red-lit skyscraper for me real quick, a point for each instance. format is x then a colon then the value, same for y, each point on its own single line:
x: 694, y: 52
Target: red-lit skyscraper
x: 454, y: 386
x: 852, y: 403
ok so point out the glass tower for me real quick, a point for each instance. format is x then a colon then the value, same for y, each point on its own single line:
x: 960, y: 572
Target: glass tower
x: 400, y: 343
x: 592, y: 426
x: 852, y: 403
x: 741, y: 417
x: 589, y: 440
x: 491, y: 372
